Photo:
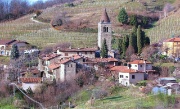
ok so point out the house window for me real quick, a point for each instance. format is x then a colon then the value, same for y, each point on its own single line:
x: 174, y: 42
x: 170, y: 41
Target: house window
x: 77, y: 52
x: 66, y: 54
x: 133, y: 76
x: 121, y: 76
x: 86, y: 52
x: 68, y: 65
x: 140, y: 65
x: 135, y: 65
x: 126, y: 76
x: 71, y: 65
x: 91, y: 52
x: 106, y: 29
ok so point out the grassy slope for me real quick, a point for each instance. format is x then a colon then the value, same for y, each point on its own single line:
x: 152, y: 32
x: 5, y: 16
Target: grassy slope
x: 121, y: 98
x: 41, y: 34
x: 166, y: 27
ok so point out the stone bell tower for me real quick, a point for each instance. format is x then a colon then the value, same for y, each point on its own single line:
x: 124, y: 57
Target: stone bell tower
x: 104, y: 30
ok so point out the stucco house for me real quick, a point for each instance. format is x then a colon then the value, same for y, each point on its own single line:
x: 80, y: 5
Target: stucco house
x: 171, y: 47
x: 134, y: 72
x: 126, y: 75
x: 141, y: 65
x: 69, y: 52
x: 32, y: 82
x: 56, y: 66
x: 45, y: 60
x: 100, y: 62
x: 6, y: 45
x: 64, y: 70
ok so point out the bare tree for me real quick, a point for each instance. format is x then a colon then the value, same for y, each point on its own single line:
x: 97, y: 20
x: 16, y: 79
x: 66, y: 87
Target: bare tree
x: 63, y: 45
x: 134, y: 57
x: 130, y: 51
x: 147, y: 52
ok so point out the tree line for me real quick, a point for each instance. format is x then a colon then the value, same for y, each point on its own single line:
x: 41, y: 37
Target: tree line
x: 17, y: 8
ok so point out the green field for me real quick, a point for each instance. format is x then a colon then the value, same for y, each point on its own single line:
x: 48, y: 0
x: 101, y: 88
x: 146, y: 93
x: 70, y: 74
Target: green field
x: 122, y: 98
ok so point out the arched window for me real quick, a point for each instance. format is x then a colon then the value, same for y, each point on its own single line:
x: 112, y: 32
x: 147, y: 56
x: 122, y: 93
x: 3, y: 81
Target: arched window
x: 104, y: 29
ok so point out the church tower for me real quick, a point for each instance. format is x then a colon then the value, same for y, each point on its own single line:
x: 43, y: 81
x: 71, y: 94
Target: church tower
x: 104, y: 30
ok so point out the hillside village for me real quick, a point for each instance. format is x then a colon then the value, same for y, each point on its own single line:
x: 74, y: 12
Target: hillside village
x: 105, y: 69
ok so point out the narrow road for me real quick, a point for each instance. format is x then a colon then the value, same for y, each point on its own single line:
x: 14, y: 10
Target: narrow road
x: 32, y: 19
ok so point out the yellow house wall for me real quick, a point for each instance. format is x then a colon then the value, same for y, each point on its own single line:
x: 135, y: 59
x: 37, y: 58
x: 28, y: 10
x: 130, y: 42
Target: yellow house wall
x: 173, y: 48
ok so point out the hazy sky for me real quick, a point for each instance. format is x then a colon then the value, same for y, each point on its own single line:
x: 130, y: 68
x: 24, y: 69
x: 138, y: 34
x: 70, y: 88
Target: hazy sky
x: 32, y: 1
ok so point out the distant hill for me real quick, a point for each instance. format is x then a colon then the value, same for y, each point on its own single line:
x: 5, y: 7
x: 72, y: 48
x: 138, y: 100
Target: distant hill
x: 84, y: 13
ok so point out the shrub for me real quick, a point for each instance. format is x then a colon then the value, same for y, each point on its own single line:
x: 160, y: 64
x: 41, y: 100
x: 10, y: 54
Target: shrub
x: 99, y: 93
x: 141, y: 83
x: 79, y: 80
x: 69, y: 5
x: 38, y: 12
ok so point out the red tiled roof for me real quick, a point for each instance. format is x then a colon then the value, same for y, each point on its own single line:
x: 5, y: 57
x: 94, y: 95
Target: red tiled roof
x: 76, y: 57
x: 124, y: 69
x: 139, y: 62
x: 54, y: 66
x: 130, y: 71
x: 65, y: 61
x: 78, y: 49
x: 57, y: 64
x: 175, y: 39
x: 118, y: 68
x: 105, y: 17
x: 31, y: 80
x: 50, y: 56
x: 6, y: 41
x: 103, y: 60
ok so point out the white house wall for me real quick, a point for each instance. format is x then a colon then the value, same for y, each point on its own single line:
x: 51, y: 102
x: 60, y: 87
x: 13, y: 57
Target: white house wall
x: 62, y: 72
x: 141, y: 67
x: 33, y: 86
x: 125, y: 80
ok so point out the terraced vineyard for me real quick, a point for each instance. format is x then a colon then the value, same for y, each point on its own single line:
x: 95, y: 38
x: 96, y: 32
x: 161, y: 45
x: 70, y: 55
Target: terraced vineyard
x: 41, y: 34
x: 165, y: 28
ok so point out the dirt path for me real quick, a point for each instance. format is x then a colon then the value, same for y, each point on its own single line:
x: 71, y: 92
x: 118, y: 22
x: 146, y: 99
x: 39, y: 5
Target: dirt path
x: 32, y: 19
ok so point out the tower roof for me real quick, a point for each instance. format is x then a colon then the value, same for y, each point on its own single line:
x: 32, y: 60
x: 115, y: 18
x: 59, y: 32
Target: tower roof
x: 104, y: 16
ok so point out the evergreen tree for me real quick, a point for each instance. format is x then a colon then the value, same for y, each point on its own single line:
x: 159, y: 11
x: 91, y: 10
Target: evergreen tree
x: 144, y: 22
x: 123, y: 16
x: 133, y: 39
x: 120, y: 43
x: 104, y: 50
x: 133, y: 20
x: 139, y: 40
x: 14, y: 52
x: 146, y: 41
x: 125, y: 45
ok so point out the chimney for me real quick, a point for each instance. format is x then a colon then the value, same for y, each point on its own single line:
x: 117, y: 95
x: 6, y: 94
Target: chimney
x: 129, y: 66
x: 145, y: 66
x: 70, y: 47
